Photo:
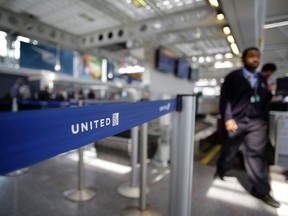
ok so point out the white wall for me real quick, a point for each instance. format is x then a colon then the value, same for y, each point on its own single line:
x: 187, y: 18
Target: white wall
x: 169, y: 84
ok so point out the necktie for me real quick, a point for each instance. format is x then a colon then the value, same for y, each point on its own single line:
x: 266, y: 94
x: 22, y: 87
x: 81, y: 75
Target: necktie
x: 251, y: 80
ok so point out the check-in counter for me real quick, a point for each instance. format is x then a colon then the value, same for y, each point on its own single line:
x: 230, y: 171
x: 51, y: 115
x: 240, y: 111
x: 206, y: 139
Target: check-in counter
x: 278, y: 134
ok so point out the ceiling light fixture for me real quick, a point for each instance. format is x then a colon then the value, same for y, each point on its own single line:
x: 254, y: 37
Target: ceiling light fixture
x: 220, y: 15
x: 57, y: 66
x: 226, y: 30
x: 139, y: 3
x: 234, y: 48
x: 275, y: 25
x: 230, y: 39
x: 214, y: 3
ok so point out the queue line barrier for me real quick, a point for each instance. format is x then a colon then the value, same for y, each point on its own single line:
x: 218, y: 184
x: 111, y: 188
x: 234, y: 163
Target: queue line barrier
x: 29, y: 137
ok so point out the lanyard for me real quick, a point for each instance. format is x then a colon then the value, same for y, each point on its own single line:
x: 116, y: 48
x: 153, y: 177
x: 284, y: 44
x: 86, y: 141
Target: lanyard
x: 255, y: 98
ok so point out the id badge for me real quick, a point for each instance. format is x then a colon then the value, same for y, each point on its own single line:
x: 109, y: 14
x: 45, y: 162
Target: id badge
x: 255, y: 99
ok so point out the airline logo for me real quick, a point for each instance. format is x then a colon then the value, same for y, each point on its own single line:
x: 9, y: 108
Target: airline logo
x: 95, y: 124
x: 165, y: 107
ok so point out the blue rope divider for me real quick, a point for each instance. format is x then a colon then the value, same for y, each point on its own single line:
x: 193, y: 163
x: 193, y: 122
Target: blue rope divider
x: 29, y: 137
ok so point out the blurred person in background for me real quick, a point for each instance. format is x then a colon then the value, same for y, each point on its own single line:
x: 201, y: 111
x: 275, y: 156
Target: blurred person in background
x: 243, y: 107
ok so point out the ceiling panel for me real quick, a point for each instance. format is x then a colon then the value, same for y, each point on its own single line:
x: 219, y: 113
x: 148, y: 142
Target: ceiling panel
x: 190, y: 32
x: 65, y: 14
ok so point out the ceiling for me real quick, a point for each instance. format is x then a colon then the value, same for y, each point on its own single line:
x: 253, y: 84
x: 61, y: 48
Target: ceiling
x: 189, y: 27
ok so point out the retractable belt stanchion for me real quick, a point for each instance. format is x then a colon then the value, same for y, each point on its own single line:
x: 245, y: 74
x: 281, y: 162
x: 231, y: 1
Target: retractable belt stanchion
x: 182, y: 157
x: 81, y: 193
x: 23, y: 170
x: 142, y: 209
x: 131, y: 189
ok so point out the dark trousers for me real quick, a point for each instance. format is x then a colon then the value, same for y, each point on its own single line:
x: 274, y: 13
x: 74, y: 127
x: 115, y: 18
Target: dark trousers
x: 253, y: 135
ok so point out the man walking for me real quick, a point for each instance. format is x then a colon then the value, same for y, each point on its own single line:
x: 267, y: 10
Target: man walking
x: 243, y: 106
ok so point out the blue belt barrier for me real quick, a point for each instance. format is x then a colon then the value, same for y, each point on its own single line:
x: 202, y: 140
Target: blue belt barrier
x: 32, y: 136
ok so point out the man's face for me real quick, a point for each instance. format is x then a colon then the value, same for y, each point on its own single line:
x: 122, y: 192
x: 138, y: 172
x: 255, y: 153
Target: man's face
x: 252, y: 59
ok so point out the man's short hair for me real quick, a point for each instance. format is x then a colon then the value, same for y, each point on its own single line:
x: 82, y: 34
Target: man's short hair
x: 244, y: 55
x: 269, y: 67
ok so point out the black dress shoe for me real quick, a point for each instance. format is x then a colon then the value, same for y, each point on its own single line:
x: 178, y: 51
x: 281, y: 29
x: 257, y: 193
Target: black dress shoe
x: 267, y: 199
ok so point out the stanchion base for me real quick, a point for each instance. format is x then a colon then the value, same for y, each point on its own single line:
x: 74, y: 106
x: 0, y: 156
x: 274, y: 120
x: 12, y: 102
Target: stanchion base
x: 130, y: 192
x: 79, y: 195
x: 135, y: 211
x: 18, y: 172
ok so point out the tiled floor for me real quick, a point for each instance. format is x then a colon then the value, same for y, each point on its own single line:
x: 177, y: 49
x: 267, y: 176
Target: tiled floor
x: 39, y: 192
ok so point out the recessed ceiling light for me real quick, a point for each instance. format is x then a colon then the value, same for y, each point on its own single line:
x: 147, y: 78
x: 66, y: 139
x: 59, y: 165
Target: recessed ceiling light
x: 226, y: 30
x: 234, y: 48
x: 214, y: 3
x: 218, y: 56
x: 228, y: 55
x: 220, y: 16
x: 230, y: 39
x: 157, y: 25
x: 201, y: 59
x: 166, y: 2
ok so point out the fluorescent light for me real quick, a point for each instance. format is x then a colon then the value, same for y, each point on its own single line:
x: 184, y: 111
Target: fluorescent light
x: 139, y: 3
x: 275, y: 25
x: 131, y: 69
x: 228, y: 55
x: 230, y: 39
x: 225, y: 64
x: 57, y: 67
x: 23, y: 39
x: 220, y: 65
x: 234, y: 48
x: 104, y: 70
x: 214, y: 3
x: 226, y: 30
x: 218, y: 56
x: 157, y: 25
x: 51, y: 76
x: 208, y: 59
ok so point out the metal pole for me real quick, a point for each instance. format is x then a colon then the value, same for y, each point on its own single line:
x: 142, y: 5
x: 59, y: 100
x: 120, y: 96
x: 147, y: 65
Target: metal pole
x: 182, y: 163
x: 143, y: 170
x: 134, y: 157
x: 131, y: 189
x: 14, y: 105
x: 81, y: 193
x: 173, y: 163
x: 80, y: 169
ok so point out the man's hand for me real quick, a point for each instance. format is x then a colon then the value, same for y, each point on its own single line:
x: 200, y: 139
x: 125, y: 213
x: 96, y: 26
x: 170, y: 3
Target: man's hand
x: 231, y: 125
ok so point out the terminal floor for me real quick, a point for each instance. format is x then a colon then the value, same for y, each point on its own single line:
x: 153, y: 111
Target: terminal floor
x: 39, y: 192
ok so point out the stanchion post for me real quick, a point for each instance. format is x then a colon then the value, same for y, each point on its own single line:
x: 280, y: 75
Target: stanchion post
x: 182, y: 157
x: 134, y: 156
x: 14, y: 105
x: 81, y: 193
x: 143, y: 162
x: 131, y: 189
x: 142, y: 209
